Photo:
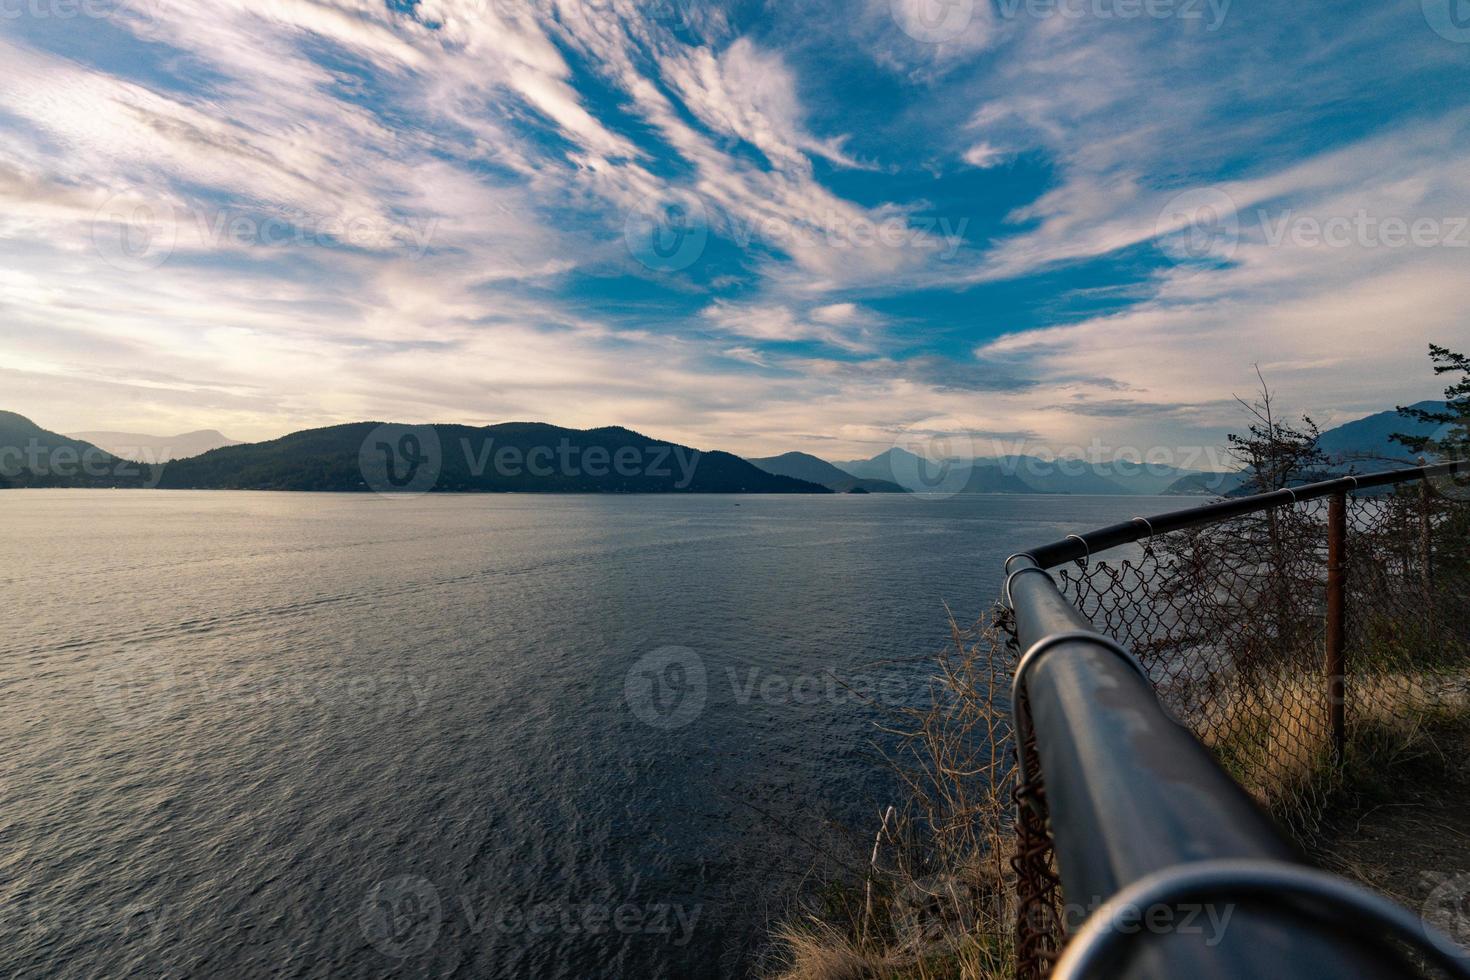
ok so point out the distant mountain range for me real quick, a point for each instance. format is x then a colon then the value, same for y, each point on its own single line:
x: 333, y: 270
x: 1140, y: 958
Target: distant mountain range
x: 931, y: 476
x: 30, y: 456
x: 1364, y: 445
x: 1368, y: 440
x: 1022, y: 475
x: 156, y: 449
x: 532, y: 457
x: 522, y: 457
x: 801, y: 466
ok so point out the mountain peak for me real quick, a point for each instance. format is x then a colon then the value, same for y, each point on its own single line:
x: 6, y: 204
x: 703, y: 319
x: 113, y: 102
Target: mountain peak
x: 144, y: 448
x: 16, y: 421
x: 804, y: 466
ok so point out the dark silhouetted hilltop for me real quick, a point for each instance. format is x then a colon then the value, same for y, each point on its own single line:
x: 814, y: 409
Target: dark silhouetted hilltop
x: 803, y: 466
x: 521, y: 457
x: 33, y: 457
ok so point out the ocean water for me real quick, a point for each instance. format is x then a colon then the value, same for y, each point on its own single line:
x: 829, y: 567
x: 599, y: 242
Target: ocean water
x: 301, y: 735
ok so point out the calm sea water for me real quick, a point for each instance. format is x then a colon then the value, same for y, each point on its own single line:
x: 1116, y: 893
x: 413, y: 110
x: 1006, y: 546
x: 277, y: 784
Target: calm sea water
x: 318, y: 735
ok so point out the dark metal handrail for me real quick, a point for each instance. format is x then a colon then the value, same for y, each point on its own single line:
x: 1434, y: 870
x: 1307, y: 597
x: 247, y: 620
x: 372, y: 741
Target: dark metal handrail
x: 1132, y: 796
x: 1076, y: 547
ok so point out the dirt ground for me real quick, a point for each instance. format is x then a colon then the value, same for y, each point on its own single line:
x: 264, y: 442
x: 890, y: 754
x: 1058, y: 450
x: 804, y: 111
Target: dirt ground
x: 1409, y: 838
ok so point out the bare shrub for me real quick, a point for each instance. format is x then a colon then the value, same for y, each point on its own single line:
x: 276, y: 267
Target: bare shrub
x: 938, y: 899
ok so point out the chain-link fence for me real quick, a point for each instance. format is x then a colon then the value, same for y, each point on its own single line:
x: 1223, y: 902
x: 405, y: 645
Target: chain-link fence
x: 1232, y: 622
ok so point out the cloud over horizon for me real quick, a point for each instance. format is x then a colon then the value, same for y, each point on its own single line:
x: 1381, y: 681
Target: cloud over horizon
x: 752, y: 227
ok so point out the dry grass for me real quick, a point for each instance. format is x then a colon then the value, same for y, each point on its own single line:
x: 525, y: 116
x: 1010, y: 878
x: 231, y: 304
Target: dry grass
x: 820, y: 952
x: 938, y: 900
x: 1403, y: 834
x: 1274, y: 737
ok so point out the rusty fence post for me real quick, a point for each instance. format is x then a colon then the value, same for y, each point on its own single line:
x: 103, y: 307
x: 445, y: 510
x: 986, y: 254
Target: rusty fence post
x: 1337, y: 622
x: 1426, y: 567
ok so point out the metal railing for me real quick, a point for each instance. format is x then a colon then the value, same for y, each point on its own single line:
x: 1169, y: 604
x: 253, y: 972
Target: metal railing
x: 1145, y: 756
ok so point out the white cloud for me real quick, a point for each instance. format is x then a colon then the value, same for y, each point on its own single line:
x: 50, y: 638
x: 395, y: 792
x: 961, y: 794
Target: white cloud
x: 985, y: 155
x: 464, y: 140
x: 1339, y: 332
x: 840, y: 325
x: 750, y: 94
x: 840, y: 314
x: 749, y: 355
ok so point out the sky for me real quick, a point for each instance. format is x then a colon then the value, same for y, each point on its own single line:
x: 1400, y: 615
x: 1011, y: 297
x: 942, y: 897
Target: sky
x: 832, y: 227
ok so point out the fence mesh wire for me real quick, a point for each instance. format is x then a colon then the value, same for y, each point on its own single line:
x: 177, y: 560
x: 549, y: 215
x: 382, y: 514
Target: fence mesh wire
x: 1230, y: 621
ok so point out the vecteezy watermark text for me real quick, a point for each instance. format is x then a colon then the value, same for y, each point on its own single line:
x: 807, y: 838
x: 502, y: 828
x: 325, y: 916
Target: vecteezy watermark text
x: 671, y: 13
x: 138, y: 235
x: 65, y: 10
x: 1204, y: 224
x: 1208, y: 920
x: 1363, y: 230
x: 69, y: 463
x: 942, y: 464
x: 670, y: 232
x: 674, y: 922
x: 1210, y: 13
x: 403, y: 917
x: 570, y: 460
x: 137, y: 688
x: 412, y: 459
x: 670, y: 687
x: 138, y: 924
x: 1022, y: 457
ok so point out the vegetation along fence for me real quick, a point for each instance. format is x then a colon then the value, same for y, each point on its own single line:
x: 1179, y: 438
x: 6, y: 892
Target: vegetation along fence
x: 1236, y: 659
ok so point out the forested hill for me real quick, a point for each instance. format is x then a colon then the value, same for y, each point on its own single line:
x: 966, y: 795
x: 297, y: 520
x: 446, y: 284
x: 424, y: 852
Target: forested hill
x: 31, y: 456
x: 363, y: 456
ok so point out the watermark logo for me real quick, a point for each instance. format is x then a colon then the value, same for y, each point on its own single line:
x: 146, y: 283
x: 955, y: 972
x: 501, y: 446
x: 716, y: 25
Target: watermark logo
x: 623, y: 466
x: 672, y: 922
x: 401, y: 917
x: 138, y: 235
x: 1199, y: 225
x: 135, y: 688
x: 1209, y: 921
x: 1450, y: 19
x: 1363, y: 230
x: 934, y: 464
x: 75, y: 461
x: 932, y: 21
x: 401, y: 460
x: 133, y: 235
x: 889, y: 689
x: 668, y: 233
x: 1446, y: 443
x: 138, y: 925
x: 673, y: 14
x: 1210, y: 13
x: 1447, y: 910
x: 667, y: 689
x: 66, y: 10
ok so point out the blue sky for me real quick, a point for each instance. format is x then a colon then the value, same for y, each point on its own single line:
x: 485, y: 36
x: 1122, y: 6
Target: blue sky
x: 825, y: 226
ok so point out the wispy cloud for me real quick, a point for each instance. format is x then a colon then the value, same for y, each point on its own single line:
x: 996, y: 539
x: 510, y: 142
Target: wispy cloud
x: 256, y: 216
